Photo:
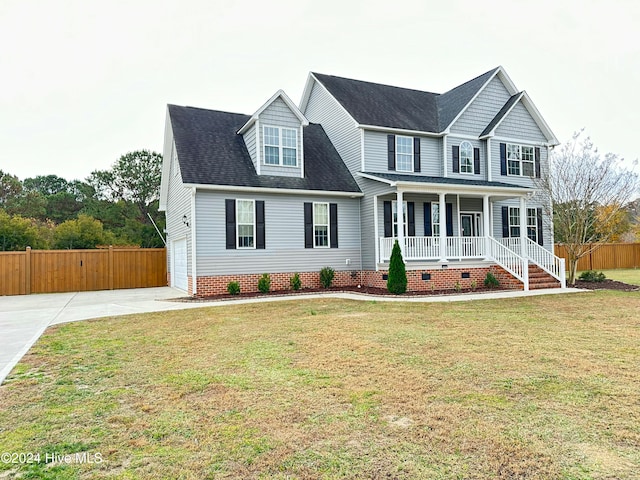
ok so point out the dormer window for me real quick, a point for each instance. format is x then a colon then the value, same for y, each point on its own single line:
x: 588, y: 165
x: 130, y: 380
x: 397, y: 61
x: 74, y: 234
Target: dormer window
x: 280, y: 146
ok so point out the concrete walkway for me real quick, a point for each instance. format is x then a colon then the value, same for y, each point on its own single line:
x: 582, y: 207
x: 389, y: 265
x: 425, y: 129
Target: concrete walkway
x: 24, y: 318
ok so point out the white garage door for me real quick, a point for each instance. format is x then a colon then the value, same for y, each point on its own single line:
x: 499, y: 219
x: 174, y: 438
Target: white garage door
x: 180, y: 264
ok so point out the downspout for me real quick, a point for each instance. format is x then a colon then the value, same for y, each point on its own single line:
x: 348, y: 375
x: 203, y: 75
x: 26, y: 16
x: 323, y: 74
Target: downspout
x: 194, y: 277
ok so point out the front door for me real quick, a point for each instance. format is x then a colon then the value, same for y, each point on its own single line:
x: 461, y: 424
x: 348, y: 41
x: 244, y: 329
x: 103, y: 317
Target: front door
x: 468, y: 225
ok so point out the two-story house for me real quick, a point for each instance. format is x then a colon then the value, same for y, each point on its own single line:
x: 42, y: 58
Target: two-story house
x: 358, y: 165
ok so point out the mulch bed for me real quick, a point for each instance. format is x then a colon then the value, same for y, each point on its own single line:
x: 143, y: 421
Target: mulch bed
x: 606, y: 285
x: 381, y: 292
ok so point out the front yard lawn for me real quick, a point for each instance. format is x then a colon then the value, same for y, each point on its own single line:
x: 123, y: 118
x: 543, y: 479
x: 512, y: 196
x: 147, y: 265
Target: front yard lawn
x: 540, y: 387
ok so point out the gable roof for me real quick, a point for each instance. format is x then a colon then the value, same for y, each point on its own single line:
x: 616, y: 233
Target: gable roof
x: 279, y: 94
x: 375, y: 104
x: 504, y: 111
x: 384, y: 105
x: 210, y: 152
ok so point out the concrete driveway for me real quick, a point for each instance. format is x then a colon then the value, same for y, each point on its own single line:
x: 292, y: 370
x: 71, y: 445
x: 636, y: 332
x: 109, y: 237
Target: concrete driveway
x: 23, y: 318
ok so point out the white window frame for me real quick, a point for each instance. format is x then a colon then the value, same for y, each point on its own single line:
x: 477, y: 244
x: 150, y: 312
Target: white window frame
x: 519, y: 163
x: 435, y: 213
x: 394, y: 218
x: 514, y: 214
x: 281, y: 147
x: 404, y: 155
x: 238, y: 223
x: 466, y: 163
x: 316, y: 224
x: 532, y: 215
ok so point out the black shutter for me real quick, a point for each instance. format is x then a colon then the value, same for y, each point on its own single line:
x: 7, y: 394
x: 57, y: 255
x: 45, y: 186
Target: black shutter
x: 411, y: 219
x: 476, y: 161
x: 503, y: 159
x: 230, y: 214
x: 308, y: 225
x: 388, y: 220
x: 537, y: 162
x: 391, y: 151
x: 505, y: 222
x: 260, y: 224
x: 455, y: 154
x: 416, y: 154
x: 427, y: 220
x: 449, y: 219
x: 540, y: 233
x: 333, y: 225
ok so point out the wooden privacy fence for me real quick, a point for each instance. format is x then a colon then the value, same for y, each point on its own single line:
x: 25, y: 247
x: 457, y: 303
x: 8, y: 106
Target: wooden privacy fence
x: 47, y: 271
x: 606, y: 257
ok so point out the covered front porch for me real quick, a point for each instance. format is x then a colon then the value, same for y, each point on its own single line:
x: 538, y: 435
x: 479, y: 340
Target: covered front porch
x: 444, y: 225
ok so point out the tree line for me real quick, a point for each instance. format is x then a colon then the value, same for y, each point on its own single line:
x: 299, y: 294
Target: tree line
x: 109, y: 207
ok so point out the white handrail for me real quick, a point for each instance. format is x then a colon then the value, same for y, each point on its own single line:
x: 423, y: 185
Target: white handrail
x: 509, y: 260
x: 554, y: 266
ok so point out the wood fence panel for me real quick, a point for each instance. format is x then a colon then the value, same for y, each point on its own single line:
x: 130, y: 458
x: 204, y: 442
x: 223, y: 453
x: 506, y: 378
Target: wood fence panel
x: 47, y: 271
x: 13, y: 273
x: 609, y: 256
x: 136, y: 268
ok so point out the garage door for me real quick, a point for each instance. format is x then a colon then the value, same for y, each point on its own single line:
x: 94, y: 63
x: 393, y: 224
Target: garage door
x: 180, y: 264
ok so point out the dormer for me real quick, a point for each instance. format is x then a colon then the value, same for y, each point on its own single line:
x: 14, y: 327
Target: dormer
x: 274, y: 137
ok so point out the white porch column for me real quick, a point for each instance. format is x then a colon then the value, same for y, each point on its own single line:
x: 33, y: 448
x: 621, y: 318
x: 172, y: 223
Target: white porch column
x: 443, y: 229
x: 486, y: 225
x: 400, y: 211
x: 376, y: 232
x: 523, y: 242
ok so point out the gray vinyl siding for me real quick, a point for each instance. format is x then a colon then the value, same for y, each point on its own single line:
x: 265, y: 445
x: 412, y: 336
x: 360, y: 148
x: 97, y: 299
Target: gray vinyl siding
x: 514, y: 179
x: 453, y: 141
x: 278, y: 114
x: 547, y: 227
x: 376, y: 157
x: 250, y: 141
x: 341, y: 129
x: 284, y: 236
x: 520, y: 124
x: 483, y: 109
x: 178, y: 205
x: 371, y: 188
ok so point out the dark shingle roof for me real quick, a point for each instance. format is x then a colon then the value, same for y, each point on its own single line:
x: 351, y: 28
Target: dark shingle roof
x: 386, y: 106
x: 503, y: 111
x: 210, y: 152
x: 399, y: 177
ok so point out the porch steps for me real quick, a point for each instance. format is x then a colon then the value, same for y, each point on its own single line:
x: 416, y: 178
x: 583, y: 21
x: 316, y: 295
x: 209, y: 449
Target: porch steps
x: 539, y: 279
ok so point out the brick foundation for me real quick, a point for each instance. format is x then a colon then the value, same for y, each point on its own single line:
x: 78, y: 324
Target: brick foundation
x: 440, y: 279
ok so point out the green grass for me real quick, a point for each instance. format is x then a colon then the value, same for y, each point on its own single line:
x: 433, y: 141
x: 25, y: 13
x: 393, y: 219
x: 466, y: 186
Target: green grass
x: 626, y: 275
x: 538, y: 387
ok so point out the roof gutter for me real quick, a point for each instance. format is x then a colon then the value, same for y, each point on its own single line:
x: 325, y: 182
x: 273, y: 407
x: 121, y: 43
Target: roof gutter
x: 290, y: 191
x: 400, y: 130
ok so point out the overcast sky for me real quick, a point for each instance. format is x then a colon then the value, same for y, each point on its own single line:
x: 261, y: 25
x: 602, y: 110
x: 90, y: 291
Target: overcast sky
x: 85, y: 81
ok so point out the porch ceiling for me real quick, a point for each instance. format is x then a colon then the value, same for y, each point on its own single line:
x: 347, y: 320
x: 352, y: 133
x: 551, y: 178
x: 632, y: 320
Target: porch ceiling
x: 419, y: 183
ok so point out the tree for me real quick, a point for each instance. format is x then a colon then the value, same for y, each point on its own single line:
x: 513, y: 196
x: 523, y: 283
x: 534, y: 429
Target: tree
x: 135, y: 177
x: 10, y: 188
x: 587, y: 192
x: 17, y: 233
x: 83, y: 232
x: 46, y: 184
x: 397, y: 278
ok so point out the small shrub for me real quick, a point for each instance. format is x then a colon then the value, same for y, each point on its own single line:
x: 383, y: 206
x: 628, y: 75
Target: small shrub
x: 490, y: 281
x: 233, y: 288
x: 474, y: 285
x: 326, y: 276
x: 397, y: 279
x: 457, y: 287
x: 592, y: 276
x: 295, y: 282
x: 264, y: 283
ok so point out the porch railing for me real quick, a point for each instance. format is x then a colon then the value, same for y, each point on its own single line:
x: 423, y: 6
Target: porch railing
x: 554, y: 266
x: 428, y: 248
x: 509, y: 260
